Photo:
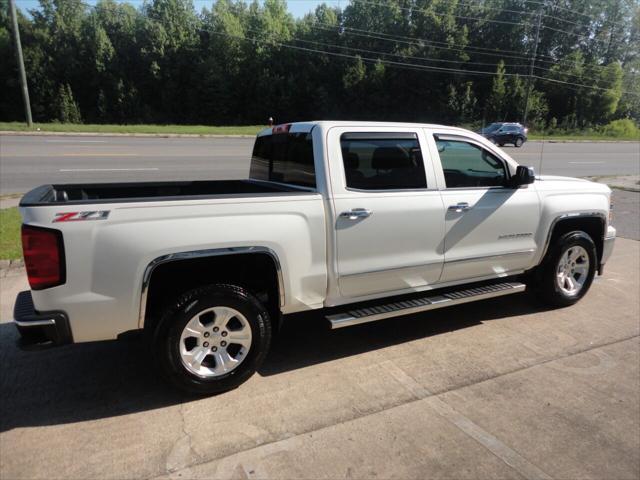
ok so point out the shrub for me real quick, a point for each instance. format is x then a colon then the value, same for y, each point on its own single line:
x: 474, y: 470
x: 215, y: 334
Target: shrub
x: 622, y: 128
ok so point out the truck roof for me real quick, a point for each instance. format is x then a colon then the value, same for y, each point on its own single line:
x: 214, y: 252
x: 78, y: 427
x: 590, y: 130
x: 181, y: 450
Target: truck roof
x: 300, y: 127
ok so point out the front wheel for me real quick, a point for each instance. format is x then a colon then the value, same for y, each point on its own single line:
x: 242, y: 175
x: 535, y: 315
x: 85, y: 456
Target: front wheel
x: 568, y: 270
x: 518, y: 143
x: 212, y: 339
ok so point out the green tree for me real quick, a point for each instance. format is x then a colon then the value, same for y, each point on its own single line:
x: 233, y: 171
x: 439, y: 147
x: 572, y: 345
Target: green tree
x: 497, y: 101
x: 462, y: 102
x: 241, y: 61
x: 67, y: 108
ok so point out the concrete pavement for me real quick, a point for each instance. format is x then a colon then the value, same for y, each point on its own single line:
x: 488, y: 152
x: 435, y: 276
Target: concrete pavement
x: 29, y: 161
x: 502, y: 388
x: 626, y: 213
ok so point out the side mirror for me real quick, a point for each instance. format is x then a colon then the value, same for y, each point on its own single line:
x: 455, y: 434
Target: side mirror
x: 524, y: 176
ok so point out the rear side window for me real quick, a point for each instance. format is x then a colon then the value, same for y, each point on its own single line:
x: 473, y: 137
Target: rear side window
x: 284, y: 158
x: 382, y: 161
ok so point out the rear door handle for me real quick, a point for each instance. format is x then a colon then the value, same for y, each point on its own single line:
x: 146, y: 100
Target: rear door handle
x: 356, y: 213
x: 460, y: 207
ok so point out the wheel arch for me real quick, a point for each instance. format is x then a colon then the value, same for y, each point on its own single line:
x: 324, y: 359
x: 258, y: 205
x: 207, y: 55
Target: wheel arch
x: 592, y: 223
x: 193, y: 263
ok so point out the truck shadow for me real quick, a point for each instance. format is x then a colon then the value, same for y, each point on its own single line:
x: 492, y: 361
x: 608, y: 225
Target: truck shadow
x: 311, y: 342
x: 108, y: 379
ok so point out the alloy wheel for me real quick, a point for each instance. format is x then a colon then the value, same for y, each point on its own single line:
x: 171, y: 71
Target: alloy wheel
x: 572, y: 270
x: 215, y: 341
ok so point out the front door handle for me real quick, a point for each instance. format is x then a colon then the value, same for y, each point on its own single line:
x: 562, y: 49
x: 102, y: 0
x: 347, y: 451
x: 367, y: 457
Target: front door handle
x: 356, y: 213
x: 459, y: 207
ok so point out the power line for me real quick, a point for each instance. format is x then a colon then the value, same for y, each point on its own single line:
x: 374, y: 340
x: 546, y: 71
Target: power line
x: 413, y: 57
x: 522, y: 12
x: 364, y: 59
x: 400, y: 64
x: 411, y: 40
x: 436, y: 45
x: 504, y: 22
x: 464, y: 17
x: 422, y: 42
x: 559, y: 7
x: 419, y: 42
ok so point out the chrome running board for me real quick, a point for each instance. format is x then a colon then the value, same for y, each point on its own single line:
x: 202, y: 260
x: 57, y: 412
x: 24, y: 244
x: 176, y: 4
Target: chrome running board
x: 415, y: 305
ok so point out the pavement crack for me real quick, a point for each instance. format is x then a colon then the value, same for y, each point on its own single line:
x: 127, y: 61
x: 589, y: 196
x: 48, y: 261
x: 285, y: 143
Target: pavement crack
x: 182, y: 454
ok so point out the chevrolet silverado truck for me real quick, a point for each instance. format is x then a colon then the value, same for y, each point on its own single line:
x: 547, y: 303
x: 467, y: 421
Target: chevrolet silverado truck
x: 354, y: 221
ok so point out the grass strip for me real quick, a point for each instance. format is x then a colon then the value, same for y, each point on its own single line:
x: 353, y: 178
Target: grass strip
x: 10, y: 243
x: 149, y: 129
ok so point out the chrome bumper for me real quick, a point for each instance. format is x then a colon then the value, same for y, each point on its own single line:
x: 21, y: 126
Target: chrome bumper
x: 607, y: 245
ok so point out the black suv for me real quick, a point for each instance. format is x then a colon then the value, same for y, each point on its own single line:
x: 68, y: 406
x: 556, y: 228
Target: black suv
x: 501, y: 133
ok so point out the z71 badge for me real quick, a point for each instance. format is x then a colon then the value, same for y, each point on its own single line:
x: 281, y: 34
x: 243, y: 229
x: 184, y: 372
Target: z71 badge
x: 80, y: 216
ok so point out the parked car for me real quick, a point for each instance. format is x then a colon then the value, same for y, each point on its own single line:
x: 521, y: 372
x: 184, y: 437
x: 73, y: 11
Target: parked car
x: 502, y: 133
x: 354, y: 221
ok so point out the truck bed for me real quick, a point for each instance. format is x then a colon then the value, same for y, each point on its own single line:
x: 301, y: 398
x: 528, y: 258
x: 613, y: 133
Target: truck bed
x: 77, y: 194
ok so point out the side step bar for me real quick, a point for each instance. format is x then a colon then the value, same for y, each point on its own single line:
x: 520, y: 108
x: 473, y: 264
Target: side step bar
x: 396, y: 309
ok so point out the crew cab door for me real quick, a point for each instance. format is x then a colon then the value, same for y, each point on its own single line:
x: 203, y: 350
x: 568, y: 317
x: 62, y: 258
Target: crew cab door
x: 489, y: 226
x: 387, y: 211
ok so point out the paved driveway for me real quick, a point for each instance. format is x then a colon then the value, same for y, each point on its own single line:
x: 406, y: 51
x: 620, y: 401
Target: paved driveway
x: 502, y: 388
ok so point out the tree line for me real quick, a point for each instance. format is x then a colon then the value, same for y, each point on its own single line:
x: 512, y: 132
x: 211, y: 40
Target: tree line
x: 233, y: 62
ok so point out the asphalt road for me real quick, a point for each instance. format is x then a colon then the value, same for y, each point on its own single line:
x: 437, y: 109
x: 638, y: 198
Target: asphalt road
x: 29, y: 161
x: 502, y: 388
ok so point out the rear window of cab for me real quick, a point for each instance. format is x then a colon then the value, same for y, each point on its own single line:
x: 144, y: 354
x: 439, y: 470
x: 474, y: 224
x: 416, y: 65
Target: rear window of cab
x: 284, y: 158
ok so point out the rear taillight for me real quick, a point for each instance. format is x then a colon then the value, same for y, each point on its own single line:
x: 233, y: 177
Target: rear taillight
x: 43, y: 251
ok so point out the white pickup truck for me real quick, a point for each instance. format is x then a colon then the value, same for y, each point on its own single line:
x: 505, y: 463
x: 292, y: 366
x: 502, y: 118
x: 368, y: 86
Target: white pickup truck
x: 356, y: 221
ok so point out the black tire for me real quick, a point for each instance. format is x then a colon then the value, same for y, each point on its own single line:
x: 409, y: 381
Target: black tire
x: 167, y: 333
x: 501, y: 144
x: 549, y: 290
x: 518, y: 143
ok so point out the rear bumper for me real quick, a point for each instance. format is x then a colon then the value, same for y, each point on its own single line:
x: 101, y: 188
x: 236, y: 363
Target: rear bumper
x: 607, y: 245
x: 39, y: 329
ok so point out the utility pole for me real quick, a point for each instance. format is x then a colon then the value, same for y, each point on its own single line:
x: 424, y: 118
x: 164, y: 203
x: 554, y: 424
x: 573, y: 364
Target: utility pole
x: 20, y: 60
x: 533, y: 61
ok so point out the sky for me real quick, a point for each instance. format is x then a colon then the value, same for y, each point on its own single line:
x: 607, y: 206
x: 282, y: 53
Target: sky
x: 297, y: 7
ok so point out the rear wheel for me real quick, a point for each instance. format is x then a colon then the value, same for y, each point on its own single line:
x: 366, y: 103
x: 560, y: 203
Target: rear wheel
x: 568, y: 271
x: 213, y: 339
x: 518, y: 143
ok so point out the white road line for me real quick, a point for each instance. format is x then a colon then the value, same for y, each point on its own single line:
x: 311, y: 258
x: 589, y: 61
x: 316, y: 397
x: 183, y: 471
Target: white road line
x: 588, y: 163
x: 108, y: 169
x: 75, y: 141
x: 505, y: 453
x: 97, y: 155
